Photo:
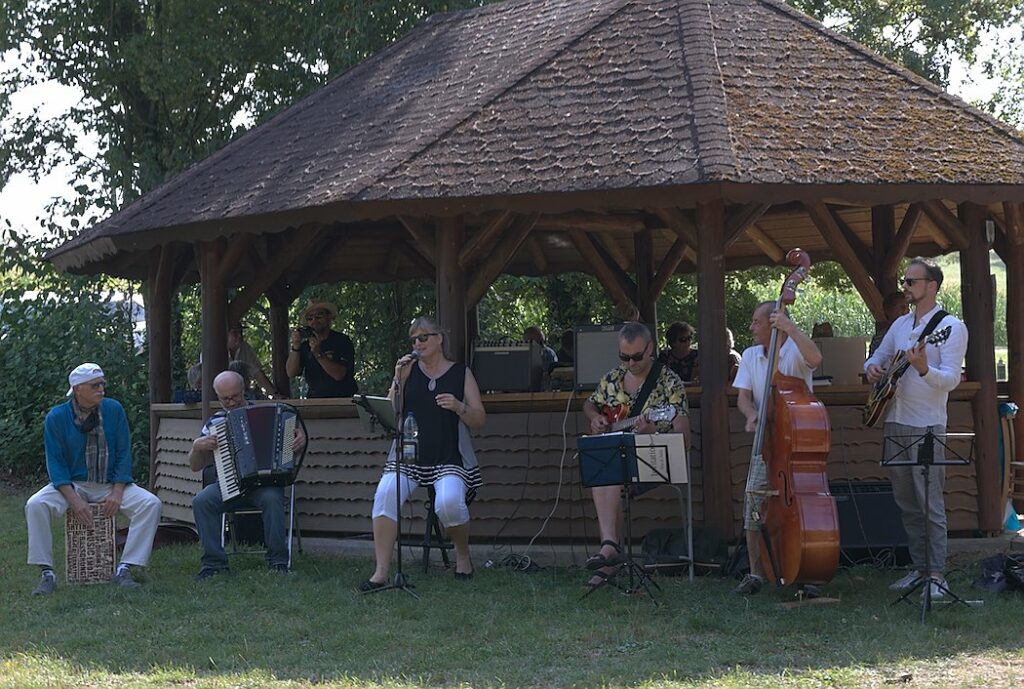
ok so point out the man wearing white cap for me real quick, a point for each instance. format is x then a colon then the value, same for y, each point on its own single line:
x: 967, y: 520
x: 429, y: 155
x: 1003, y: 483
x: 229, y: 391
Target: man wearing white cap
x: 325, y: 357
x: 88, y: 459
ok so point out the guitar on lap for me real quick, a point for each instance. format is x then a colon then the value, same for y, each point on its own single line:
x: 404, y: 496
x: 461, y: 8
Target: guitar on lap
x: 617, y: 420
x: 883, y: 391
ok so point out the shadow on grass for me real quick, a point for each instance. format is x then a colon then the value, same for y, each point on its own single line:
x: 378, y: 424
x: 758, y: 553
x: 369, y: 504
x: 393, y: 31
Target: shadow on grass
x: 502, y: 628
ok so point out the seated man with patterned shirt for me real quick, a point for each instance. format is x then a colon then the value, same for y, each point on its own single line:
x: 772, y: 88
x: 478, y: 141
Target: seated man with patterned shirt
x: 639, y: 375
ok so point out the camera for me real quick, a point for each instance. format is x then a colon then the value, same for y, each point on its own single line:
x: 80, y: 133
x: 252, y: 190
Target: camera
x: 305, y: 331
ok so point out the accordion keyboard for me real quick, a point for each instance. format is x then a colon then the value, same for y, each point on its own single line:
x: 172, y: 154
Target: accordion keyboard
x: 227, y: 475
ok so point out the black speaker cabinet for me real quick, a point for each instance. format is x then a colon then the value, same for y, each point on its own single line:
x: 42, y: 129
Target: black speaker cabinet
x: 870, y: 525
x: 597, y: 352
x: 508, y: 367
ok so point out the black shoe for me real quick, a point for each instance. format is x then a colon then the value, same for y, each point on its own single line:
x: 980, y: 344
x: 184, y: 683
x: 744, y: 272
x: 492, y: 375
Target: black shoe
x: 749, y: 585
x: 279, y: 569
x: 47, y: 584
x: 208, y: 572
x: 465, y: 575
x: 598, y: 561
x: 368, y: 586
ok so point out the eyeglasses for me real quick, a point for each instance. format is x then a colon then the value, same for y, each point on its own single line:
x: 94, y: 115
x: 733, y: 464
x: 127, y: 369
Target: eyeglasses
x: 423, y: 337
x: 99, y: 384
x: 909, y: 282
x: 318, y: 314
x: 227, y: 399
x: 638, y: 357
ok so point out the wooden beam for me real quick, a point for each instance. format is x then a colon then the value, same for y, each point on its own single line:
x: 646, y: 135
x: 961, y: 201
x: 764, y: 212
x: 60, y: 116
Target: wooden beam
x: 415, y: 257
x: 714, y: 368
x: 422, y: 235
x: 484, y: 238
x: 847, y: 257
x: 451, y: 285
x: 883, y: 233
x: 979, y: 316
x: 741, y: 219
x: 646, y: 297
x: 765, y: 243
x: 214, y: 318
x: 280, y: 339
x: 947, y: 223
x: 537, y: 253
x: 901, y: 242
x: 592, y: 222
x: 237, y: 246
x: 499, y: 258
x: 679, y: 222
x: 1013, y: 219
x: 160, y: 291
x: 602, y: 270
x: 286, y: 255
x: 859, y: 249
x: 611, y: 245
x: 668, y: 266
x: 1013, y: 257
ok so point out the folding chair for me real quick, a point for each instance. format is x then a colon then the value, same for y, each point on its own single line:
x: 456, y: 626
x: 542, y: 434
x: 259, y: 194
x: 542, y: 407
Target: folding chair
x: 248, y: 530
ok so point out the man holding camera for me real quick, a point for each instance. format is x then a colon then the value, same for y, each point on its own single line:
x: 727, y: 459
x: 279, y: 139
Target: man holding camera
x: 325, y: 357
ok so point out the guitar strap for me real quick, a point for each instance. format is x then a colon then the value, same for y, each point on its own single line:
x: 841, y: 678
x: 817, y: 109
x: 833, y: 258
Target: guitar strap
x: 932, y: 324
x: 645, y: 390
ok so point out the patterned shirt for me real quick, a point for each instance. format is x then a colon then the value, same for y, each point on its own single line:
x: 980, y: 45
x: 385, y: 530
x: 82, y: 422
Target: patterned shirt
x: 667, y: 392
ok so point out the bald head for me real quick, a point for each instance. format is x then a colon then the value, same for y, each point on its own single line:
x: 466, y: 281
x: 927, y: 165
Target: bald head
x: 230, y: 389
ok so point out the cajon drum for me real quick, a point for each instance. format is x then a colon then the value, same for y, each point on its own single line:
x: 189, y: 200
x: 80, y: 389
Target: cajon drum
x: 89, y: 552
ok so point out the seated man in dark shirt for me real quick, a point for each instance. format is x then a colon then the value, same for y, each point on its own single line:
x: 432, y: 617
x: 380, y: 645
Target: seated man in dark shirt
x: 326, y: 358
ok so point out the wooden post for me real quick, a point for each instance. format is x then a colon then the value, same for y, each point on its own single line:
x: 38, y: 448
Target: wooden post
x: 280, y: 340
x: 646, y: 299
x: 158, y: 333
x: 215, y: 310
x: 1014, y: 259
x: 883, y: 232
x: 976, y: 288
x: 714, y: 367
x: 451, y: 285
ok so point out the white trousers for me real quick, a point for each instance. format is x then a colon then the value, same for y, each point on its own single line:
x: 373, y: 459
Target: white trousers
x: 449, y: 502
x: 140, y: 506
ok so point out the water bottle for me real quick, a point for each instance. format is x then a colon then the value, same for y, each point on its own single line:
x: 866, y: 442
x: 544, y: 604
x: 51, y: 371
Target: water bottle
x: 410, y: 439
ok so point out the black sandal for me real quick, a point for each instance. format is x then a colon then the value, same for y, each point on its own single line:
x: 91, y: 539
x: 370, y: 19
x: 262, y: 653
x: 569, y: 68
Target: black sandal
x: 368, y: 586
x: 598, y: 561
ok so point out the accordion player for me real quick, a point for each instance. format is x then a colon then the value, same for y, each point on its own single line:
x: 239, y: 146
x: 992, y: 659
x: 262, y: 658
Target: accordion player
x: 255, y: 448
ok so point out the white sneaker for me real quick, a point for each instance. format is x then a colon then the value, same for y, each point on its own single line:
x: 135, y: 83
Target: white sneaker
x: 906, y: 581
x: 938, y: 588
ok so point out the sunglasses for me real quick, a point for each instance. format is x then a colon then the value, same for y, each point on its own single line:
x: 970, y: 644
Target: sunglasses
x: 638, y: 357
x: 422, y: 338
x: 909, y: 282
x: 314, y: 316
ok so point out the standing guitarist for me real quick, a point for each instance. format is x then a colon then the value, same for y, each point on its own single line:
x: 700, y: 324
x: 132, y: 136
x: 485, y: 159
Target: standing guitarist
x: 629, y: 392
x: 919, y: 406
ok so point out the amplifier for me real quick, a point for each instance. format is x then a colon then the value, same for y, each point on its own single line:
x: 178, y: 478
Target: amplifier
x: 870, y: 523
x: 597, y: 352
x: 508, y: 366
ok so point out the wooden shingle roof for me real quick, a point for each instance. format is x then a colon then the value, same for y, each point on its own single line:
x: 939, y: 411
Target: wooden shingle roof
x: 541, y: 97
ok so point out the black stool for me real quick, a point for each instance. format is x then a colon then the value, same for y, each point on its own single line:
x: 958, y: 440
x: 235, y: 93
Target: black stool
x: 433, y: 535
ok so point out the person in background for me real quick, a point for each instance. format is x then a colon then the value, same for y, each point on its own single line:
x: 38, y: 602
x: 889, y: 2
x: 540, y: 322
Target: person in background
x: 798, y: 357
x: 680, y: 356
x: 89, y: 459
x: 241, y: 351
x: 443, y: 397
x: 734, y: 356
x: 894, y: 305
x: 548, y: 356
x: 325, y: 357
x: 567, y: 349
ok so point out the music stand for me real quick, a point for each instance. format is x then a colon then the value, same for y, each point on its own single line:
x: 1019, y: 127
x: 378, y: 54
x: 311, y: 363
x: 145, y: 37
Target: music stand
x: 614, y: 459
x: 919, y: 451
x: 382, y: 412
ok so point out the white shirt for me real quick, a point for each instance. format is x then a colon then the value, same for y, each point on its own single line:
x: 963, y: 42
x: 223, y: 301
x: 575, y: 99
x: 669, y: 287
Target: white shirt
x: 921, y: 400
x: 754, y: 368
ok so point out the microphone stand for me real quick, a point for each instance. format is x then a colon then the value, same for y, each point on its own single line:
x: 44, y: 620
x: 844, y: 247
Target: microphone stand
x: 399, y: 581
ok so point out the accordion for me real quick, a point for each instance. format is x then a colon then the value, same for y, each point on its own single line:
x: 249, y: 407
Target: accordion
x: 254, y: 449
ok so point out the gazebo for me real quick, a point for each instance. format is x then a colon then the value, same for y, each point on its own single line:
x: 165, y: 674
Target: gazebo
x: 628, y: 139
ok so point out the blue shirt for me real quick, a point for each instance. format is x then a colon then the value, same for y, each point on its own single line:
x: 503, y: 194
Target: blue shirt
x: 65, y: 444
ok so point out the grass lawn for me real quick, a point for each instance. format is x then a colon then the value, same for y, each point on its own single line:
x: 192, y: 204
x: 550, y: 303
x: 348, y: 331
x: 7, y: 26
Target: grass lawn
x: 501, y: 629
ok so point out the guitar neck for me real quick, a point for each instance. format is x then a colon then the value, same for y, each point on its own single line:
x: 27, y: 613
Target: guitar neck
x: 623, y: 424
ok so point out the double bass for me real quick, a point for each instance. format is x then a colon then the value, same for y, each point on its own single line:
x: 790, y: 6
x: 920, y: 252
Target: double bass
x: 800, y: 525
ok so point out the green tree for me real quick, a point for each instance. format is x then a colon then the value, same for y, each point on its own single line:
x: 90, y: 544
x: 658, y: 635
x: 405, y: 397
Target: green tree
x: 923, y: 35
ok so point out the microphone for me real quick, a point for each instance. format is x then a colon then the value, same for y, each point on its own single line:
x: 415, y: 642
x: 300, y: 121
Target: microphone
x: 414, y: 355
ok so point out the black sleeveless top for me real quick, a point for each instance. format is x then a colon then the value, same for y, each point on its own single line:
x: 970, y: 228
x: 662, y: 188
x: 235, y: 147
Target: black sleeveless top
x: 439, y: 427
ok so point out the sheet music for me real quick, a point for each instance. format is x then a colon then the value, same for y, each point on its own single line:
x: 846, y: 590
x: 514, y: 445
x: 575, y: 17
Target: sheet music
x: 661, y: 458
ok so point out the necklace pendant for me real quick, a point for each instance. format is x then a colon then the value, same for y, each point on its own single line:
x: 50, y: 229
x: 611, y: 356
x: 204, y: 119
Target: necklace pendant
x: 432, y: 385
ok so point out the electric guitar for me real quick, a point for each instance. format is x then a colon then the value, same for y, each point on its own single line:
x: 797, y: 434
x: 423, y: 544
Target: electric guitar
x: 618, y: 422
x: 882, y: 392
